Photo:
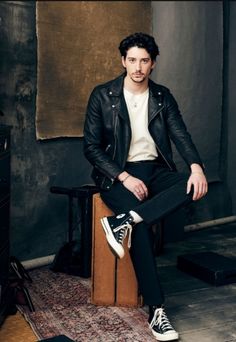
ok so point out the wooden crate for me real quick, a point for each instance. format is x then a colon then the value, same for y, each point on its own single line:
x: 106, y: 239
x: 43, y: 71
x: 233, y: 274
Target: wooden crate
x: 113, y: 280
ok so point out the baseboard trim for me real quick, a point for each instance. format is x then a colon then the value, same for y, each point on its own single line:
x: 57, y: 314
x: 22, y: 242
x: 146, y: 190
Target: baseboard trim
x: 38, y: 262
x: 211, y: 223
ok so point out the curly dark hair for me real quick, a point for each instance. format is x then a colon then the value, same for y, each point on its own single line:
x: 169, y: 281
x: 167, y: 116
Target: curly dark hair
x: 141, y: 40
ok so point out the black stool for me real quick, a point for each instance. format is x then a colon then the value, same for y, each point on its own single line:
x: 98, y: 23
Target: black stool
x: 81, y: 265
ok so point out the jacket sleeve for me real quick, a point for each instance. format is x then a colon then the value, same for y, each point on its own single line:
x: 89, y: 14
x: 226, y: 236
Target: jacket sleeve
x: 95, y: 145
x: 179, y: 134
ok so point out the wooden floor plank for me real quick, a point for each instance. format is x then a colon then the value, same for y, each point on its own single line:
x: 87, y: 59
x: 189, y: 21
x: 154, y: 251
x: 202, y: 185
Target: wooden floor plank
x: 218, y: 334
x: 200, y: 311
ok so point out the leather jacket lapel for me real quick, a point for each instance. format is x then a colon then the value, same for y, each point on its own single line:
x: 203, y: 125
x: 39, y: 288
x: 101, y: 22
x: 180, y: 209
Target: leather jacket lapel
x: 155, y: 103
x: 115, y: 92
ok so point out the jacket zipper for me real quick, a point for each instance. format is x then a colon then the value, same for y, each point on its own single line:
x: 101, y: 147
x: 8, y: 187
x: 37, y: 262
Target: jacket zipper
x: 158, y: 146
x: 115, y: 127
x: 163, y: 157
x: 114, y: 152
x: 109, y: 145
x: 107, y: 148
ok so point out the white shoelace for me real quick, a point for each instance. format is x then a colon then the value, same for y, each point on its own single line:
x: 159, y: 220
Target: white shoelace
x: 124, y: 229
x: 161, y: 319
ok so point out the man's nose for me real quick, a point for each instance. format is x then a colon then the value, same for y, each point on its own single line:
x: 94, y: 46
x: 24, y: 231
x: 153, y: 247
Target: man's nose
x: 138, y: 66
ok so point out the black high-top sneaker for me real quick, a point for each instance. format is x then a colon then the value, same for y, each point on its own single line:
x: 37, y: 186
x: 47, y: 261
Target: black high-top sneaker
x: 160, y: 325
x: 116, y: 229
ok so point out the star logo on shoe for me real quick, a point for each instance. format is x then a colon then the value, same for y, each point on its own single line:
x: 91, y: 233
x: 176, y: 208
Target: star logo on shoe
x: 120, y: 216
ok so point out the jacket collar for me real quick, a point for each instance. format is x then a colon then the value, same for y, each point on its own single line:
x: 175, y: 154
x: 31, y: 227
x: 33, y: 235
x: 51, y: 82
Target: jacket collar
x: 155, y: 105
x: 115, y: 87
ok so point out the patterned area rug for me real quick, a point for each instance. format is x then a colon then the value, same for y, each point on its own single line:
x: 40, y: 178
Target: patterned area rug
x: 62, y: 307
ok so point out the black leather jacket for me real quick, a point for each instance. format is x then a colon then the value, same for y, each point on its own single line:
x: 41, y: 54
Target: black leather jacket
x: 107, y: 132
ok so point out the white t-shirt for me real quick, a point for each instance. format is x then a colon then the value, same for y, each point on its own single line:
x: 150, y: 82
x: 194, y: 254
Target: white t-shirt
x: 142, y: 145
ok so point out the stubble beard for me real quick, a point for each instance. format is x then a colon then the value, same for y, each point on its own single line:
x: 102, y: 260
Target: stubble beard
x: 139, y: 80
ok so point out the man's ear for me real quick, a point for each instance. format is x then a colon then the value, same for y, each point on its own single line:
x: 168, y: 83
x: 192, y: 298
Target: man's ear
x: 153, y: 64
x: 123, y: 61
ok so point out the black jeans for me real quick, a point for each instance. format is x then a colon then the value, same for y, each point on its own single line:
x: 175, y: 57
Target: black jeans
x: 167, y: 192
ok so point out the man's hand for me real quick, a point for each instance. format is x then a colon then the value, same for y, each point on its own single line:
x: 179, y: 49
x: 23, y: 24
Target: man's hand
x: 135, y: 185
x: 198, y: 180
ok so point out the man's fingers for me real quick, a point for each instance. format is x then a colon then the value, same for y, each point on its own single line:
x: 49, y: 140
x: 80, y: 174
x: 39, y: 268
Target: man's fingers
x: 145, y: 190
x: 200, y: 190
x: 189, y: 184
x: 142, y: 190
x: 200, y: 187
x: 195, y: 194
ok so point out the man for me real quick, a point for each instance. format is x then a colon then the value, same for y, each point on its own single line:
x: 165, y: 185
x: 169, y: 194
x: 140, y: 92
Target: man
x: 129, y: 123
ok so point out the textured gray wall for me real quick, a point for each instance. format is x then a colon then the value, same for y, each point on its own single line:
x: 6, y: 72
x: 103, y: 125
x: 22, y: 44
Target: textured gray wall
x: 39, y: 218
x: 190, y: 37
x: 231, y: 108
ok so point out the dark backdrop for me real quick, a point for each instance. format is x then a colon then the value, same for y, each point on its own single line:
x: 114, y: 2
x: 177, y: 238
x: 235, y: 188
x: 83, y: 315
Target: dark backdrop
x: 39, y: 218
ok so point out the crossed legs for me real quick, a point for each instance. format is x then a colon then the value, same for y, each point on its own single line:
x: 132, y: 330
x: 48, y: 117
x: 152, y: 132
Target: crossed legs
x: 167, y: 192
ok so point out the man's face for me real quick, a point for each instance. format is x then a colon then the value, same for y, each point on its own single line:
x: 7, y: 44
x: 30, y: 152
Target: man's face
x: 138, y: 64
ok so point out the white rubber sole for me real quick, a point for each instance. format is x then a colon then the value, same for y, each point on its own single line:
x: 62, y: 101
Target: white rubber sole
x: 171, y: 336
x: 116, y: 247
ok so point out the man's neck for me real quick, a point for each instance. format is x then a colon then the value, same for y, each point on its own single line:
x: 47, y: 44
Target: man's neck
x: 134, y: 87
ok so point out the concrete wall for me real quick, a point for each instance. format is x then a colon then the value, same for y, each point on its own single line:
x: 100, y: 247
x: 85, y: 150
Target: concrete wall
x: 190, y: 37
x: 231, y: 103
x: 39, y: 218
